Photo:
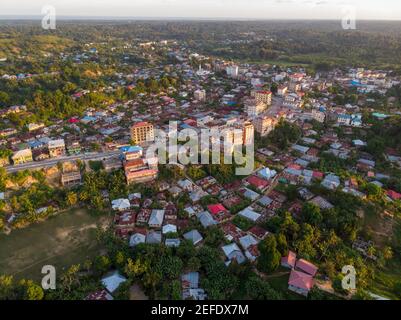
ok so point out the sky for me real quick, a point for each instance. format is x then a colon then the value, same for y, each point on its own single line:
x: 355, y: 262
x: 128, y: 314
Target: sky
x: 226, y: 9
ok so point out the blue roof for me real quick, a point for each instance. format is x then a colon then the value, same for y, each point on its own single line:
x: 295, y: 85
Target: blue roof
x: 130, y: 149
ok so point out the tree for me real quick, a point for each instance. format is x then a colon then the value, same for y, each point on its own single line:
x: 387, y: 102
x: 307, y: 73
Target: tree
x: 6, y: 287
x: 305, y: 245
x: 311, y: 214
x: 282, y: 245
x: 102, y: 263
x: 193, y: 264
x: 32, y: 291
x: 71, y: 198
x: 387, y: 253
x: 70, y: 277
x: 269, y: 258
x: 135, y: 268
x: 258, y: 289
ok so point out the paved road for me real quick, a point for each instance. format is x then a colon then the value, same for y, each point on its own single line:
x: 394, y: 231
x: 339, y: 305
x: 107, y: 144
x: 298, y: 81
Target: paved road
x: 51, y: 162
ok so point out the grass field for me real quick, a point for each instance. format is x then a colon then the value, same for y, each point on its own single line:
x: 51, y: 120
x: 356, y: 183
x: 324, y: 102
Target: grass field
x: 62, y: 240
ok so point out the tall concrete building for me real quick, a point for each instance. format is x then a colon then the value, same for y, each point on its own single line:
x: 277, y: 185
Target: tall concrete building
x: 262, y: 96
x: 142, y: 132
x: 264, y: 125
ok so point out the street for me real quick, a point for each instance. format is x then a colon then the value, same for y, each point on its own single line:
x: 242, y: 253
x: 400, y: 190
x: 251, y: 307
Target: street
x: 53, y: 161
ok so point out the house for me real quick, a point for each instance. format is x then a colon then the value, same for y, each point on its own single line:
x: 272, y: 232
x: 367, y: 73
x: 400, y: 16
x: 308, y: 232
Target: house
x: 169, y: 228
x: 249, y: 214
x: 120, y: 204
x: 331, y: 182
x: 250, y: 194
x: 247, y: 241
x: 257, y: 182
x: 300, y: 282
x: 56, y: 148
x: 206, y: 219
x: 194, y: 236
x: 190, y: 287
x: 154, y: 237
x: 113, y: 281
x: 393, y: 195
x: 266, y: 173
x: 258, y: 232
x: 306, y: 266
x: 233, y: 252
x: 22, y: 156
x: 172, y: 242
x: 186, y: 185
x: 289, y: 260
x: 156, y: 218
x: 219, y: 212
x: 321, y: 203
x: 136, y: 239
x: 300, y: 149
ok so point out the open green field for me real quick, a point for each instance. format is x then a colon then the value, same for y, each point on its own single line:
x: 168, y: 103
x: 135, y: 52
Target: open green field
x: 62, y: 240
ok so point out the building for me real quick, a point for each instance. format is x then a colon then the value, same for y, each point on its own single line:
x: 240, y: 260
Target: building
x: 248, y: 133
x: 35, y: 126
x: 282, y: 90
x: 142, y: 132
x: 295, y: 87
x: 253, y: 108
x: 71, y: 178
x: 264, y: 125
x: 56, y: 148
x: 300, y: 282
x: 318, y: 115
x: 22, y: 156
x: 74, y: 148
x: 156, y: 219
x: 200, y: 95
x: 262, y: 96
x: 140, y: 170
x: 232, y: 71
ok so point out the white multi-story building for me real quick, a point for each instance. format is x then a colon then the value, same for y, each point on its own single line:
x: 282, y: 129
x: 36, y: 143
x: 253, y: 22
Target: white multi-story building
x: 262, y: 96
x: 200, y: 95
x: 253, y: 108
x: 232, y: 71
x: 318, y: 115
x: 264, y: 125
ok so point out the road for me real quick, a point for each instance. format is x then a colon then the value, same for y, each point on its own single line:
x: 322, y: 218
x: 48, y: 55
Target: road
x: 53, y: 161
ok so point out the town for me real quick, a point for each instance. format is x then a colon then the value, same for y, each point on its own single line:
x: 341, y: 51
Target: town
x: 324, y: 191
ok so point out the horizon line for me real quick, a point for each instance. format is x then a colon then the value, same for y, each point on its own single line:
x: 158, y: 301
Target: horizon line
x: 150, y: 18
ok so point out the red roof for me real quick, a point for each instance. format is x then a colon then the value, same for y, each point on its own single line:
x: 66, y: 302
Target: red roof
x: 306, y: 266
x: 394, y: 195
x: 318, y: 174
x: 141, y: 124
x: 257, y: 182
x: 295, y: 166
x: 264, y: 92
x: 290, y: 259
x: 73, y: 120
x: 300, y: 280
x: 258, y: 232
x: 216, y: 208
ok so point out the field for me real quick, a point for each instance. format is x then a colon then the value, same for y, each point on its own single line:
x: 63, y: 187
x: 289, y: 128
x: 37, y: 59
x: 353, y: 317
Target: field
x: 62, y: 240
